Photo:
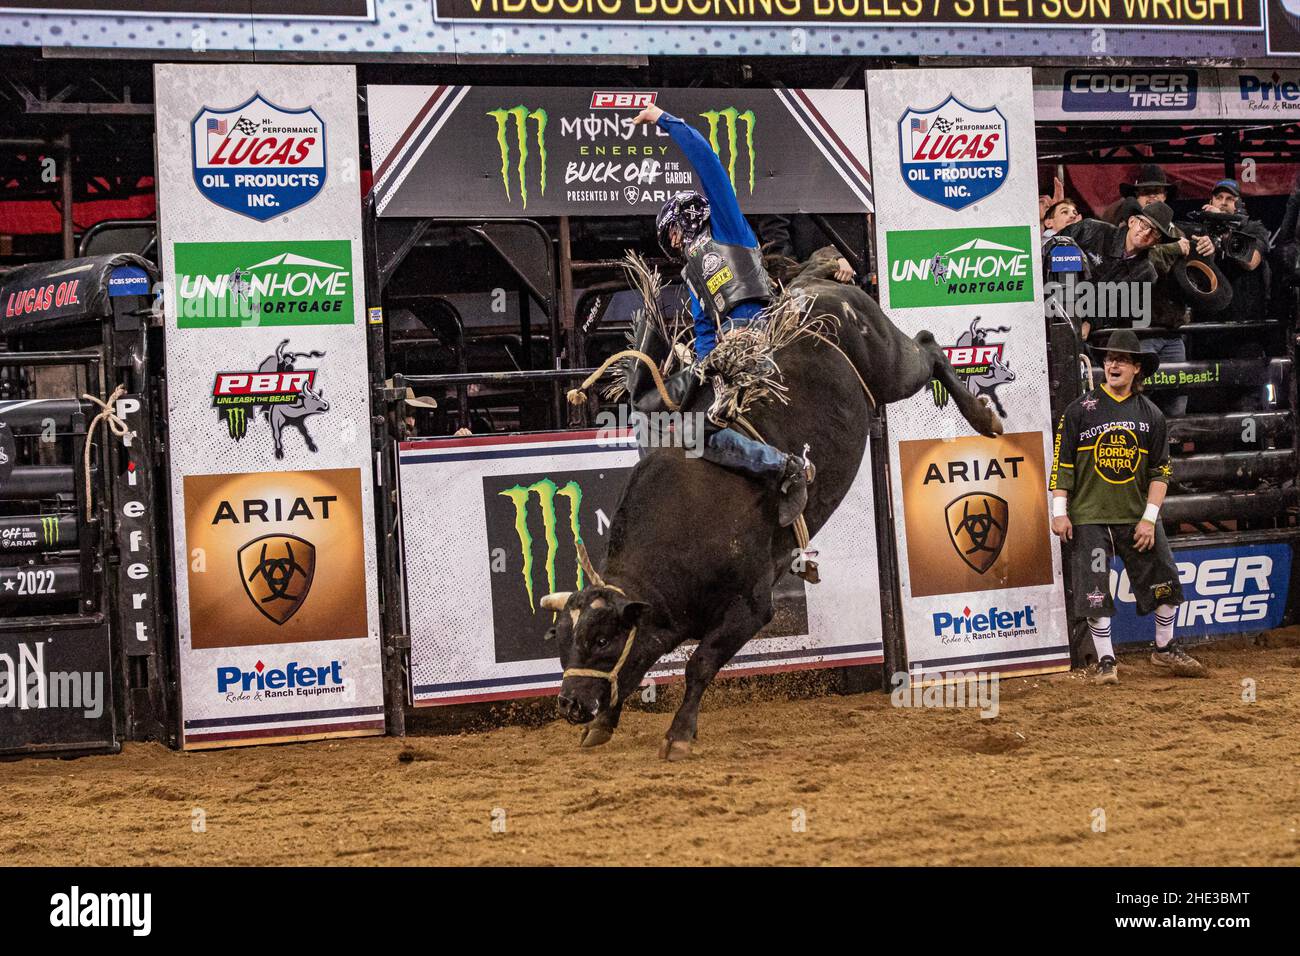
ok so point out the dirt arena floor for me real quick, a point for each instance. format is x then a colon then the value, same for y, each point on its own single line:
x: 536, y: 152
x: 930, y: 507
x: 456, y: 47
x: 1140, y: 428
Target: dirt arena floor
x: 1185, y: 771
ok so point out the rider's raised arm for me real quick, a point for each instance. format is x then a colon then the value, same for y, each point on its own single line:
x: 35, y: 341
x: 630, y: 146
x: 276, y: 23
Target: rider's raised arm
x: 725, y: 217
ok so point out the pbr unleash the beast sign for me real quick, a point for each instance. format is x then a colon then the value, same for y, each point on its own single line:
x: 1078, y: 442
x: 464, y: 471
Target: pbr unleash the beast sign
x: 268, y: 404
x: 538, y: 151
x: 959, y: 256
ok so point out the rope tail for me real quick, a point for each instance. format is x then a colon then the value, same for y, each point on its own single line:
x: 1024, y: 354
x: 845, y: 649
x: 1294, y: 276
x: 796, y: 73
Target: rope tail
x: 579, y: 395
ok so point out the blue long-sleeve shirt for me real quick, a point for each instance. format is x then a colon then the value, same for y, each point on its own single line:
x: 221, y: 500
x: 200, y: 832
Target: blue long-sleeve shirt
x: 725, y: 219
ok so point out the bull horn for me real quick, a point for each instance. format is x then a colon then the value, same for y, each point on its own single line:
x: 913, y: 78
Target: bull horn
x: 585, y: 560
x: 556, y: 601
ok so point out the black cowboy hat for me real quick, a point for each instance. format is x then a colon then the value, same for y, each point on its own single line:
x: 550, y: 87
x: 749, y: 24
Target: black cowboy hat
x: 1159, y: 217
x: 1201, y: 283
x: 1126, y: 341
x: 1149, y: 175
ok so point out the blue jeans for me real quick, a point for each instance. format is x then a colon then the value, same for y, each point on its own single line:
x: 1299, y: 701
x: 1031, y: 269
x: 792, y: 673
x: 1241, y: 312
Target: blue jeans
x: 730, y: 449
x: 1170, y: 349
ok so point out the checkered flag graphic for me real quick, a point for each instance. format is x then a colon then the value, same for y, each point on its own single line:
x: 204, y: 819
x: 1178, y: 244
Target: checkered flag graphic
x: 246, y: 126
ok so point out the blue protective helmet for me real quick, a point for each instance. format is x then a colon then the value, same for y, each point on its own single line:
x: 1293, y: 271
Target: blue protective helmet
x: 689, y: 211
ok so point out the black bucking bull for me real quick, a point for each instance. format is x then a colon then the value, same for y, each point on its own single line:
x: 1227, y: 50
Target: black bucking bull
x: 694, y: 550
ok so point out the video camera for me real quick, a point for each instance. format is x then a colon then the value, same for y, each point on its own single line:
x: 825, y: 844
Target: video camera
x: 1231, y: 242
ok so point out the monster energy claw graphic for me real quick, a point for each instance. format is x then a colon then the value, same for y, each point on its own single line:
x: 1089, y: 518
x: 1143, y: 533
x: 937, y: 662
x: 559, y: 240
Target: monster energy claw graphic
x: 730, y: 117
x: 50, y: 530
x: 520, y: 115
x: 546, y: 491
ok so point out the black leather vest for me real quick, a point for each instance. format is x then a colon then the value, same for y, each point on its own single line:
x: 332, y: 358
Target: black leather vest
x: 723, y: 276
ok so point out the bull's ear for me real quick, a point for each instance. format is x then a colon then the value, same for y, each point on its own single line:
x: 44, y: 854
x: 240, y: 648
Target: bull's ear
x: 630, y: 612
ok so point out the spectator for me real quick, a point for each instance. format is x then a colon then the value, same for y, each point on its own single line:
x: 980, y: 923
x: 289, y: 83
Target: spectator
x: 1061, y: 213
x: 1240, y: 247
x: 1150, y: 185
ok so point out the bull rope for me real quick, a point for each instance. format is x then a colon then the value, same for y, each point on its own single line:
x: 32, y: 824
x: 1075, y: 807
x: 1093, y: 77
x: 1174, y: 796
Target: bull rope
x: 115, y: 424
x: 579, y: 395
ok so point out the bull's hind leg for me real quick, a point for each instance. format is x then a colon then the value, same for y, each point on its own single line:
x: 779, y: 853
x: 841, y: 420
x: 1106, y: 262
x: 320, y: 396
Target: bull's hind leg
x: 741, y: 622
x: 977, y: 411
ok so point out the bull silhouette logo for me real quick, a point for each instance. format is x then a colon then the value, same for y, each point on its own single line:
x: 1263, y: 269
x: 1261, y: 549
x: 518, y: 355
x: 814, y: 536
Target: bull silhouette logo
x: 977, y: 528
x: 544, y: 492
x: 512, y: 141
x: 979, y: 364
x: 277, y: 571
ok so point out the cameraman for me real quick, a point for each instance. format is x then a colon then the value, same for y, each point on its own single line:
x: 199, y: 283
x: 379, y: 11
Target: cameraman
x: 1240, y: 249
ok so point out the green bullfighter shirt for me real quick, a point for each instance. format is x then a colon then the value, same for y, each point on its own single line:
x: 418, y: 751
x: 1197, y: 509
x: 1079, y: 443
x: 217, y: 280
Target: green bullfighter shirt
x: 1107, y: 453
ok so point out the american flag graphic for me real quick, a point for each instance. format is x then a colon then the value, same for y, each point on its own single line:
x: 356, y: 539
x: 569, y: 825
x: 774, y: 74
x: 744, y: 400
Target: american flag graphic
x: 216, y: 126
x: 918, y: 125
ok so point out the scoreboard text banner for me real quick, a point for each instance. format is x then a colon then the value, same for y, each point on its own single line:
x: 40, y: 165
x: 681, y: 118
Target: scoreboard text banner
x: 896, y: 14
x: 268, y: 403
x: 517, y: 506
x: 980, y: 575
x: 456, y: 151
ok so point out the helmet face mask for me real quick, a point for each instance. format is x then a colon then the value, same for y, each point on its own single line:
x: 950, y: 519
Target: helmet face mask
x: 688, y: 213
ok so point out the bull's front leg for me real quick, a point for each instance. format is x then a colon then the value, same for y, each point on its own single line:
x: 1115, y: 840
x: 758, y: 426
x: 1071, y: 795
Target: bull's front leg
x: 741, y: 622
x: 600, y: 730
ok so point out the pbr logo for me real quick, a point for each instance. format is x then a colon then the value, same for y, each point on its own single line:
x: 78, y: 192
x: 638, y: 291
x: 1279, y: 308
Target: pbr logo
x: 979, y: 364
x: 277, y: 571
x: 280, y: 391
x: 977, y: 528
x: 258, y: 159
x: 953, y: 154
x: 621, y: 100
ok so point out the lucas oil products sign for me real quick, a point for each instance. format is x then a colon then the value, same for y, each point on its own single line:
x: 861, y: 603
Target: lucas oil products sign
x: 272, y: 478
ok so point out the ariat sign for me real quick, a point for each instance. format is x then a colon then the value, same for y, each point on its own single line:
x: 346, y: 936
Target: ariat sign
x: 933, y: 267
x: 232, y: 284
x: 1225, y: 590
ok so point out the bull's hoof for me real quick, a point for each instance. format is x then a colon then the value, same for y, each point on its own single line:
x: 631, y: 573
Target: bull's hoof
x: 994, y: 427
x: 595, y: 736
x: 673, y: 750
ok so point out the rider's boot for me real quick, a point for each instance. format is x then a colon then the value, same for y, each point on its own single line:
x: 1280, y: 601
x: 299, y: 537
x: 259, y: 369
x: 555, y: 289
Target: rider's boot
x: 793, y: 486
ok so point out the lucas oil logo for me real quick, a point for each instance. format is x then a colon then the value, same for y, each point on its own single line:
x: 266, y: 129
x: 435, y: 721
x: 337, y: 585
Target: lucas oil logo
x: 258, y: 159
x: 953, y: 154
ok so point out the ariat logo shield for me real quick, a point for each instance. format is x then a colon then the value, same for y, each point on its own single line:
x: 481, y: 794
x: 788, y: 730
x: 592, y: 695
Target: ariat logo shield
x: 1116, y: 456
x: 977, y: 526
x: 512, y: 125
x: 544, y: 492
x: 277, y: 571
x: 731, y: 119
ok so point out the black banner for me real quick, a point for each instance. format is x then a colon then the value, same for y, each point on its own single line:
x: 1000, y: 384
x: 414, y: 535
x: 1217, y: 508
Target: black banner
x: 56, y: 690
x: 34, y: 534
x: 900, y: 14
x: 287, y: 9
x: 538, y: 151
x: 54, y: 294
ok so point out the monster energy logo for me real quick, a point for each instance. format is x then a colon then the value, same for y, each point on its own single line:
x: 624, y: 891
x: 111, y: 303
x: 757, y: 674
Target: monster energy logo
x: 546, y: 491
x: 729, y: 118
x: 50, y: 530
x: 520, y: 116
x: 237, y: 421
